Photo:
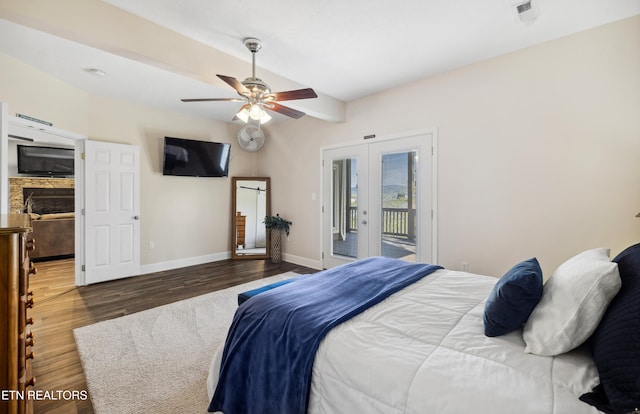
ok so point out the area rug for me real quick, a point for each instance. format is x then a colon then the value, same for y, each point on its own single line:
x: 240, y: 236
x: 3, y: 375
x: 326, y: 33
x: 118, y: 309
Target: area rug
x: 157, y: 361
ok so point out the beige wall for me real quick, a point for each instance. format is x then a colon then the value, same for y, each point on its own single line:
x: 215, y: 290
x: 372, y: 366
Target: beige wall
x: 184, y: 217
x: 538, y: 152
x: 29, y: 91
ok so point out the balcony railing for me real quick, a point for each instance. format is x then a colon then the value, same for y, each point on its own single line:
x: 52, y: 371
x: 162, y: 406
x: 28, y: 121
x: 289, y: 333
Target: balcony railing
x: 397, y: 222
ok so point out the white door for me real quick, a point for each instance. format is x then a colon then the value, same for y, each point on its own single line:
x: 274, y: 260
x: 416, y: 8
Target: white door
x: 112, y: 208
x: 378, y: 200
x: 345, y: 197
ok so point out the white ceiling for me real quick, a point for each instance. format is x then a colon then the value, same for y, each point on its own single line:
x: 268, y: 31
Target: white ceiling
x: 343, y: 49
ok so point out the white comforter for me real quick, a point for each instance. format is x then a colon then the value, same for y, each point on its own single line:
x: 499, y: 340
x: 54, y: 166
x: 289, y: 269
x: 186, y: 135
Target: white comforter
x: 423, y: 350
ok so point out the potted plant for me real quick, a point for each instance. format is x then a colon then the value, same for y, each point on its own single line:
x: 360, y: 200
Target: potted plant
x: 276, y: 225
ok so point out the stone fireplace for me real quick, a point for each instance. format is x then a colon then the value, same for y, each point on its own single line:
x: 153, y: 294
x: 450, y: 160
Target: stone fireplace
x: 53, y: 232
x: 48, y: 194
x: 49, y: 200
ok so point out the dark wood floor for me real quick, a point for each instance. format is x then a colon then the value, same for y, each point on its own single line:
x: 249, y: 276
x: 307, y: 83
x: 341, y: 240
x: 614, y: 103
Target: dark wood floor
x: 60, y: 307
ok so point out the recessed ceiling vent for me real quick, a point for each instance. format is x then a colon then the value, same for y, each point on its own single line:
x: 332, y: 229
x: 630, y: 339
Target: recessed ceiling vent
x: 527, y: 12
x: 524, y: 7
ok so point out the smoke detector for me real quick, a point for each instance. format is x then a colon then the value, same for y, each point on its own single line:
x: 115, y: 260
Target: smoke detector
x: 527, y: 11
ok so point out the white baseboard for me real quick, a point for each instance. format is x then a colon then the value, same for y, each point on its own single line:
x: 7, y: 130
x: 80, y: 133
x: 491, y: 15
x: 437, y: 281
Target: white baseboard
x: 190, y: 261
x: 216, y: 257
x: 302, y: 261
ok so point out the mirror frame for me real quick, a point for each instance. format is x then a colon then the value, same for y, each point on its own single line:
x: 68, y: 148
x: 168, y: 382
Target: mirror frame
x: 234, y: 250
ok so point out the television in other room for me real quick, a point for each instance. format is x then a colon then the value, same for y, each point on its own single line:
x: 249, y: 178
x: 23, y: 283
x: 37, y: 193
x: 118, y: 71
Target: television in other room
x: 187, y: 157
x: 45, y: 161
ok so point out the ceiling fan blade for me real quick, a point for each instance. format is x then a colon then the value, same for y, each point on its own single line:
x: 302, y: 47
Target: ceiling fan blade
x: 235, y: 84
x: 306, y: 93
x: 213, y: 99
x: 285, y: 110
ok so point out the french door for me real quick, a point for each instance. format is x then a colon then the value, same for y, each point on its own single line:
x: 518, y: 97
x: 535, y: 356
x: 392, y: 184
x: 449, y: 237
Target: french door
x: 378, y: 200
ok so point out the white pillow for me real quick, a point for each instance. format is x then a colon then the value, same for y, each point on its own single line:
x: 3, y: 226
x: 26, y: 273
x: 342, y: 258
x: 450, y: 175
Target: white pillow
x: 573, y: 301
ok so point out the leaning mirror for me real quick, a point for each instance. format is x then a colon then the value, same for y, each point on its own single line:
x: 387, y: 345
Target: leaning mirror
x: 251, y: 203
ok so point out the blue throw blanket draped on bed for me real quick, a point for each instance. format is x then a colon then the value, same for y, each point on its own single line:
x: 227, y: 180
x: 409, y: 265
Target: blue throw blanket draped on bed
x: 268, y: 357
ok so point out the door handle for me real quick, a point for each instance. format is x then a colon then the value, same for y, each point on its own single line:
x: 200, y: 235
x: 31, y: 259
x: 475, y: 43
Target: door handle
x: 364, y: 221
x: 136, y: 217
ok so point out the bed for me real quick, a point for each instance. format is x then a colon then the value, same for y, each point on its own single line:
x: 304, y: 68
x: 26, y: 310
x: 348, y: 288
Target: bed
x: 433, y: 346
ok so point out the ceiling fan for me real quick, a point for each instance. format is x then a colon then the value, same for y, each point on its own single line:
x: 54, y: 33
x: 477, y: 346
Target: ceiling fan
x: 257, y: 95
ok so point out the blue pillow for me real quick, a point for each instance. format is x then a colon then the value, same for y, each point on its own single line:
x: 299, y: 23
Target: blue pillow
x: 513, y: 298
x: 616, y: 342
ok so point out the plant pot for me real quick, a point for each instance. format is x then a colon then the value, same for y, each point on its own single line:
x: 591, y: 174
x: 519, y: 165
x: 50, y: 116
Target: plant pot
x: 276, y: 246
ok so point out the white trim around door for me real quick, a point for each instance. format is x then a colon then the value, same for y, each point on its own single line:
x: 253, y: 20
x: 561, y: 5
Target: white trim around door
x: 362, y: 162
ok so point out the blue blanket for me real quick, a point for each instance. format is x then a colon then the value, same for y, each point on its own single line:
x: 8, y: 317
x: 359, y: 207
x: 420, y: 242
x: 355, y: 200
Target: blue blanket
x: 268, y: 357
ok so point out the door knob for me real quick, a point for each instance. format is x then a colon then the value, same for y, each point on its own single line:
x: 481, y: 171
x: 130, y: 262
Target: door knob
x: 364, y: 221
x: 136, y: 217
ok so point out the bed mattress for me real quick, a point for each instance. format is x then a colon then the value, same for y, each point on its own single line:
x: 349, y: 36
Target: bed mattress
x: 423, y: 350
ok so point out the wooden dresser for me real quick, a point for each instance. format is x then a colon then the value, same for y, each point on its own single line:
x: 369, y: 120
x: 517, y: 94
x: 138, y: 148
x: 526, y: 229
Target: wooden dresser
x: 16, y: 338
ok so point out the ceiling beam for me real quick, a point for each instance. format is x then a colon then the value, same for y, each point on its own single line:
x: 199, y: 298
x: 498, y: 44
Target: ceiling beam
x: 104, y: 27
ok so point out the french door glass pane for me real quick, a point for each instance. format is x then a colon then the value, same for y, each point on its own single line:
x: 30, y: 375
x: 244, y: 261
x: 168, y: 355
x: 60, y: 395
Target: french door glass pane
x: 398, y: 203
x: 345, y: 207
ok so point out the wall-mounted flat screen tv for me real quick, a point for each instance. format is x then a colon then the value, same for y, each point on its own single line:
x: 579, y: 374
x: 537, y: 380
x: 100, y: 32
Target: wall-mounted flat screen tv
x: 45, y: 161
x: 187, y: 157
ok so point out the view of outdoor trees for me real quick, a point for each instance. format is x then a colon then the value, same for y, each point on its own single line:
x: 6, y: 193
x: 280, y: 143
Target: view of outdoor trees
x: 396, y: 193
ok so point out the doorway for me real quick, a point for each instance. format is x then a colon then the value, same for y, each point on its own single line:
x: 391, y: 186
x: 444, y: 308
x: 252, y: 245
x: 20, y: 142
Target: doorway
x: 379, y: 200
x: 107, y: 228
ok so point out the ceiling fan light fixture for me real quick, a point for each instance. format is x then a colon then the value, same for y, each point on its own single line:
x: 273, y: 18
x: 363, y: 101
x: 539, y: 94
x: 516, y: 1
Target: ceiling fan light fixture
x: 255, y: 112
x: 243, y: 115
x: 265, y: 118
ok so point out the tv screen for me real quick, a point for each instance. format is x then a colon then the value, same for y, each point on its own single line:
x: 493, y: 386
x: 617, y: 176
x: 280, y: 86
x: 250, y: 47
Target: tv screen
x: 187, y: 157
x: 36, y: 160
